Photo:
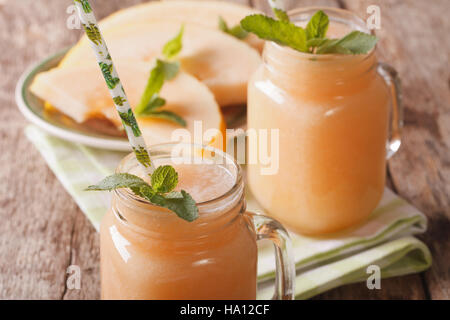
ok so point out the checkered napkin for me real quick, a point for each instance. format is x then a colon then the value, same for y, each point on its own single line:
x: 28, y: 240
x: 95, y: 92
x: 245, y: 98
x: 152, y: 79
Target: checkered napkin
x: 385, y: 242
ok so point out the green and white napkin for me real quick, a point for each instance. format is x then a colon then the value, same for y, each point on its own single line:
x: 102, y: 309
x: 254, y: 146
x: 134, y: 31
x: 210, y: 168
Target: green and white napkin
x: 385, y: 241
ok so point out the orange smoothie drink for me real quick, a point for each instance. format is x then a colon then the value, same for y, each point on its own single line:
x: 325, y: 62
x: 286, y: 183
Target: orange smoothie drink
x: 147, y: 252
x: 332, y: 112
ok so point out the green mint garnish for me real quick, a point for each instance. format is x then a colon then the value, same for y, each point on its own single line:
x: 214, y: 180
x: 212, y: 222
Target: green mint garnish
x: 160, y: 193
x: 318, y: 25
x: 154, y: 86
x: 170, y: 69
x: 117, y: 181
x: 281, y: 32
x: 235, y: 31
x: 356, y: 42
x: 168, y: 115
x: 281, y: 14
x: 164, y: 179
x: 174, y: 46
x: 151, y: 102
x: 312, y: 39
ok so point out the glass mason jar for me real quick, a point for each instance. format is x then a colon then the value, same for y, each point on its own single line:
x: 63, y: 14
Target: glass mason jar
x: 339, y: 119
x: 147, y: 252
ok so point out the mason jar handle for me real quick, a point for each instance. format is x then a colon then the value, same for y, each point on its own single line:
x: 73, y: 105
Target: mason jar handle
x: 268, y: 228
x: 392, y: 80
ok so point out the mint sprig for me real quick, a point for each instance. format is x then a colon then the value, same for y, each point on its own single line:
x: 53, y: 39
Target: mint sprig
x: 163, y: 181
x: 281, y: 14
x: 164, y: 70
x: 174, y: 46
x: 281, y: 32
x: 355, y: 42
x: 235, y: 31
x: 317, y: 26
x: 312, y: 39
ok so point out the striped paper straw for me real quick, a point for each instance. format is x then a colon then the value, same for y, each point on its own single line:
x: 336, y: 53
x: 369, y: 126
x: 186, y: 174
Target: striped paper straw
x: 114, y: 84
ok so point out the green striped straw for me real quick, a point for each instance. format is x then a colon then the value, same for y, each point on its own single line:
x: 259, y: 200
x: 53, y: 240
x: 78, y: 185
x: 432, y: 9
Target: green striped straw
x: 114, y: 84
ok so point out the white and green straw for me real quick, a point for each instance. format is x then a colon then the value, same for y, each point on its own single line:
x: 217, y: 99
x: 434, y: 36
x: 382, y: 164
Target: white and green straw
x: 114, y: 84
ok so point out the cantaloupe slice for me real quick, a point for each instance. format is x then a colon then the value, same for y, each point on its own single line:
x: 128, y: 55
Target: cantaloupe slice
x: 223, y: 63
x: 81, y: 93
x: 203, y: 13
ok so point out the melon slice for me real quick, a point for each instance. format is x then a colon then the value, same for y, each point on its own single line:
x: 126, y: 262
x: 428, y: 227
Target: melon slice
x: 81, y: 93
x: 203, y: 13
x: 223, y: 63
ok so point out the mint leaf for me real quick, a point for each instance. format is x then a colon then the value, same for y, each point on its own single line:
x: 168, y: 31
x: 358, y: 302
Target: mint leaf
x: 117, y: 181
x: 155, y: 103
x: 223, y: 26
x: 168, y: 115
x: 356, y: 42
x: 318, y: 25
x: 331, y: 46
x: 312, y: 43
x: 312, y: 39
x: 236, y: 31
x: 145, y: 191
x: 170, y: 69
x: 164, y: 179
x: 174, y: 46
x: 154, y: 85
x: 281, y: 14
x: 183, y: 205
x: 174, y: 195
x: 163, y: 70
x: 151, y: 101
x: 281, y: 32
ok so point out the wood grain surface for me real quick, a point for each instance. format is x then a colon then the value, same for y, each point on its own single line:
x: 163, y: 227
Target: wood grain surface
x: 42, y: 231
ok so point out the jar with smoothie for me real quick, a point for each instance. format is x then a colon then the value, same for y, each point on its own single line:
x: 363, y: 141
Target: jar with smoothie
x: 147, y: 252
x: 339, y: 119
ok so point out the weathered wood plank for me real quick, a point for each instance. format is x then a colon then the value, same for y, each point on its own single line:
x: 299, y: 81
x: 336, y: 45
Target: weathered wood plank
x: 42, y: 230
x: 407, y: 287
x: 85, y: 253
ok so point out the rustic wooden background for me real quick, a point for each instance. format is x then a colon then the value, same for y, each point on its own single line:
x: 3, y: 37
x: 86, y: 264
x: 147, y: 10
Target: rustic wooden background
x: 42, y: 231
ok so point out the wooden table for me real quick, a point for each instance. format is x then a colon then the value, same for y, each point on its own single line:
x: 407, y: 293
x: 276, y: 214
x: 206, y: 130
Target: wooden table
x: 42, y: 231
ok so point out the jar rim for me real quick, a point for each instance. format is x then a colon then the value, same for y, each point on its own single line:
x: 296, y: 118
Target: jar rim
x: 126, y: 194
x: 215, y: 214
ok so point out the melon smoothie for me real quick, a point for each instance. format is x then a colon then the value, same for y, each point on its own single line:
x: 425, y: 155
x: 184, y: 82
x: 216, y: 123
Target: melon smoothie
x: 332, y: 112
x: 147, y: 252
